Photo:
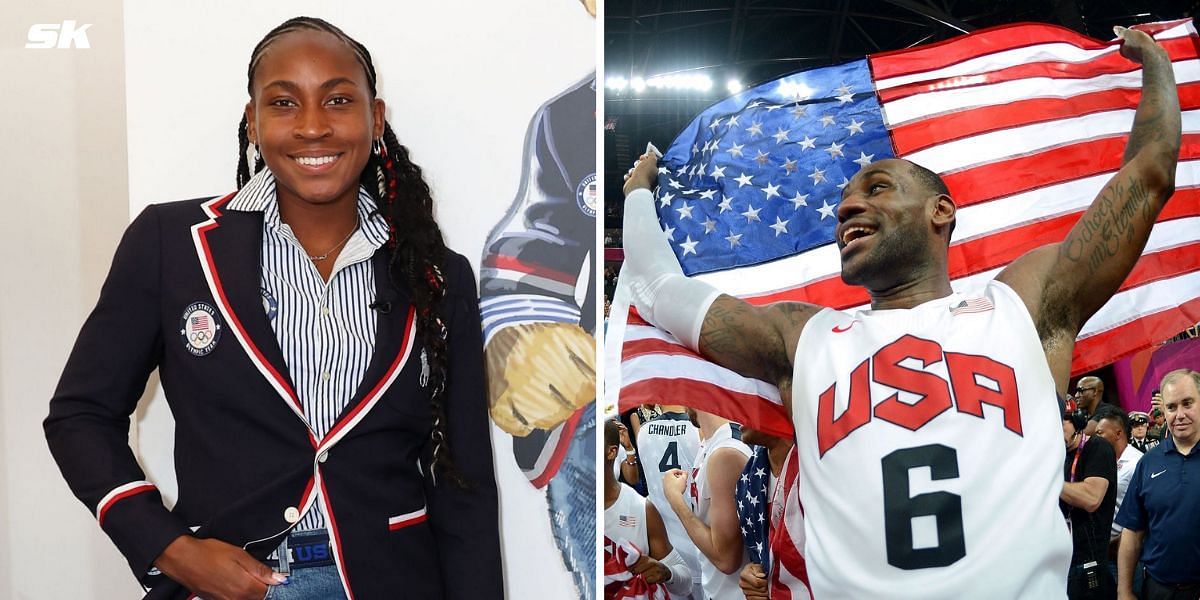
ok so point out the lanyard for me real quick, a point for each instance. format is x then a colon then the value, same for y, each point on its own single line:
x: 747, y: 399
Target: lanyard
x: 1078, y: 451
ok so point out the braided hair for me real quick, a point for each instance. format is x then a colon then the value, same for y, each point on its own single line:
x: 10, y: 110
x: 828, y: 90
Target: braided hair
x: 417, y: 251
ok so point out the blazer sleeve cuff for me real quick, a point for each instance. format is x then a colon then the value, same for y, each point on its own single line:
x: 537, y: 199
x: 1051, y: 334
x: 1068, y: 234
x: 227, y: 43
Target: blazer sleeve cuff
x: 133, y: 516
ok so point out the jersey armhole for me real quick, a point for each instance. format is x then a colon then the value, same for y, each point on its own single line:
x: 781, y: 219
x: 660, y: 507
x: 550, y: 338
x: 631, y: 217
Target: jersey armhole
x: 806, y: 339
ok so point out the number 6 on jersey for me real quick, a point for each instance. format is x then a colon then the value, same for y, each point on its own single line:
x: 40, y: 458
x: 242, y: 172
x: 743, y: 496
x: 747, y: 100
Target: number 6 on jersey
x: 899, y: 508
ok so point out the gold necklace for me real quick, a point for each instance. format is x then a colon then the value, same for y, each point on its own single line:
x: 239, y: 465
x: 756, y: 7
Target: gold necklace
x: 321, y: 257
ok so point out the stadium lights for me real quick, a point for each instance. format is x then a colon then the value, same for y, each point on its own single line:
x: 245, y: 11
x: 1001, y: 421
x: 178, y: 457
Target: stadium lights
x: 700, y: 83
x: 674, y: 81
x: 734, y: 86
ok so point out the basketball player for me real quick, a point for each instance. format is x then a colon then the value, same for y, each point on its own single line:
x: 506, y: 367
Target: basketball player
x: 705, y: 504
x: 930, y: 403
x: 670, y: 441
x: 628, y: 518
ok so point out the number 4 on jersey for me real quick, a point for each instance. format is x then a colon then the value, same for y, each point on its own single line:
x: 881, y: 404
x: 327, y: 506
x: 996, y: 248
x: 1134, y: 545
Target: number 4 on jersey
x: 670, y: 458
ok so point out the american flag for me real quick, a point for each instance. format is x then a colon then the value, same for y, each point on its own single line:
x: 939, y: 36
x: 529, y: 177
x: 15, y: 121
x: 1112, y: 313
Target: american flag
x: 619, y: 582
x: 752, y: 498
x: 1024, y: 122
x: 775, y: 542
x: 200, y: 323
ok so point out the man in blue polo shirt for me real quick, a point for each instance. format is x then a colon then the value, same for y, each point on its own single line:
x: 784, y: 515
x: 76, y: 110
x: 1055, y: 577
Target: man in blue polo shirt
x: 1161, y: 511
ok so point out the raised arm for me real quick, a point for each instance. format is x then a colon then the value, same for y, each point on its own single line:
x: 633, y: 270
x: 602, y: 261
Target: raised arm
x: 720, y: 539
x: 1064, y: 284
x: 758, y: 342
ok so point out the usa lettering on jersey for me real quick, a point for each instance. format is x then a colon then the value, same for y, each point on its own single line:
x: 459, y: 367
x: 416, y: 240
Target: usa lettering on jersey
x: 974, y: 381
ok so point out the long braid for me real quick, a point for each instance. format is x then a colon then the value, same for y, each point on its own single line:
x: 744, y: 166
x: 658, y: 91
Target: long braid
x: 417, y: 250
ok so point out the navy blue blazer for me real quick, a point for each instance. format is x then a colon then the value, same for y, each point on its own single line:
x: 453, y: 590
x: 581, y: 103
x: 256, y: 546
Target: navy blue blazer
x: 246, y: 463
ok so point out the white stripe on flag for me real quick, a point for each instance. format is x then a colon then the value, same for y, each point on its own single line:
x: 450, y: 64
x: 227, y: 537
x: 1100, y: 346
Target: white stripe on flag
x: 1053, y: 51
x: 1031, y: 139
x: 669, y: 366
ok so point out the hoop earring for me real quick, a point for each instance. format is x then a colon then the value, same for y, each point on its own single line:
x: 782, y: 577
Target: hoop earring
x: 257, y: 156
x: 379, y: 148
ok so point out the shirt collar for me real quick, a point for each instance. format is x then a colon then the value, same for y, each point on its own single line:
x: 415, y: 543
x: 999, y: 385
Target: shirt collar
x: 258, y: 195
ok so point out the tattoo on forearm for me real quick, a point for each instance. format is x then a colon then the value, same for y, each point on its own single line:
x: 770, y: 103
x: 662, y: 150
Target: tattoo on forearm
x: 1157, y: 120
x: 1110, y: 225
x: 1148, y: 127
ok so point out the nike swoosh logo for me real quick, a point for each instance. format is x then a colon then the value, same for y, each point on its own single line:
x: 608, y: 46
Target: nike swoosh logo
x: 840, y: 329
x: 1153, y: 475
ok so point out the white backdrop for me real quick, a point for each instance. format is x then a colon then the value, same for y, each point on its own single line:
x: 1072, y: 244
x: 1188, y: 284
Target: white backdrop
x: 461, y: 81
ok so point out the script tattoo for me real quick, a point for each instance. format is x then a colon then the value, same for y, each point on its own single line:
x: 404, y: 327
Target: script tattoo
x: 719, y: 335
x: 1110, y: 224
x: 744, y: 339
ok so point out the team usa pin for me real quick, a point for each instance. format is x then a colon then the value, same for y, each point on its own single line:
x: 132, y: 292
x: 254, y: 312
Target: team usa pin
x: 586, y: 195
x: 200, y: 328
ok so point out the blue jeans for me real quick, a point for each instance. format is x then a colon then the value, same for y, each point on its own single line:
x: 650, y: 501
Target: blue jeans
x: 315, y: 583
x: 571, y: 495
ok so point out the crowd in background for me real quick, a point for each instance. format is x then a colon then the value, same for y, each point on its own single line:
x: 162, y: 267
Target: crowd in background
x: 724, y: 499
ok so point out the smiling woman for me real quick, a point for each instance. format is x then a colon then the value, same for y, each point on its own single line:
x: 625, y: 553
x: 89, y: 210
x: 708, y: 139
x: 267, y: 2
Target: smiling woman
x: 280, y: 317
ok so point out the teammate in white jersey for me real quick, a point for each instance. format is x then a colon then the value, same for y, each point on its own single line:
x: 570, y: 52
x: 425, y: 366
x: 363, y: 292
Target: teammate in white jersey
x: 630, y: 519
x: 930, y: 451
x: 704, y: 502
x: 670, y: 441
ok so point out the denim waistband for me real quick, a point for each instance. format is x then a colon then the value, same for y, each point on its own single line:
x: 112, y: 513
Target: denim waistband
x: 303, y: 549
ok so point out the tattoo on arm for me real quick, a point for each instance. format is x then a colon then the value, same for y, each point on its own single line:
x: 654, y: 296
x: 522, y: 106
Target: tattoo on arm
x: 1107, y: 228
x: 719, y: 334
x: 751, y: 340
x: 1157, y: 120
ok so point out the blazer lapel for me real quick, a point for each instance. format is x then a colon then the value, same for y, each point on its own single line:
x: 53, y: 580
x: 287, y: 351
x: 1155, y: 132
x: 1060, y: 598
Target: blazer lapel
x: 232, y: 247
x: 395, y: 345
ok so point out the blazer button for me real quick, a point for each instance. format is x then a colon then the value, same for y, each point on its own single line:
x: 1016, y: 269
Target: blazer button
x: 322, y: 457
x: 291, y: 515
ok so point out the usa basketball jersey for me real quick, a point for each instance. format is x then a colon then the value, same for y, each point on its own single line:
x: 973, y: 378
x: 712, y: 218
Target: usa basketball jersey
x: 670, y: 441
x: 716, y: 585
x: 625, y: 521
x: 930, y: 452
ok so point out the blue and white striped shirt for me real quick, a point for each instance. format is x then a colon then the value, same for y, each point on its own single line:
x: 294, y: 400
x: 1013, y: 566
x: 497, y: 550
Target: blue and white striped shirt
x: 326, y: 330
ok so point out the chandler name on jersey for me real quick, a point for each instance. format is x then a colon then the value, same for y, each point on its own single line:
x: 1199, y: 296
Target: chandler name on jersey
x: 931, y: 452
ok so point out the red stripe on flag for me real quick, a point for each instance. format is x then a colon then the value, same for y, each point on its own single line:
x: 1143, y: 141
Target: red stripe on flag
x: 650, y: 346
x: 766, y: 416
x: 999, y: 249
x: 1057, y: 165
x: 924, y: 133
x: 1096, y: 351
x: 827, y: 291
x: 982, y: 42
x: 1165, y: 264
x: 1108, y: 64
x: 635, y: 319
